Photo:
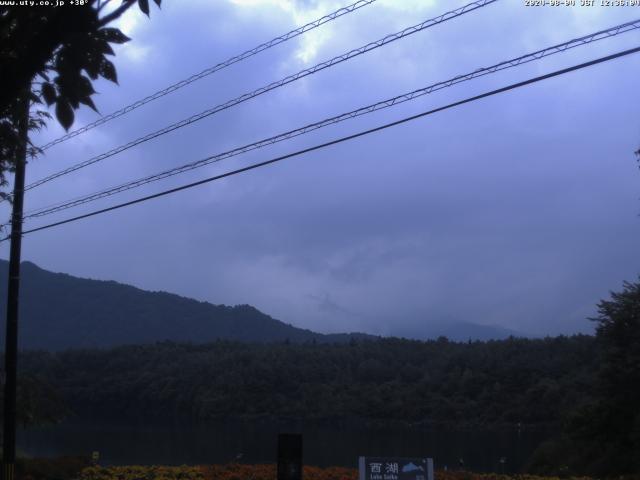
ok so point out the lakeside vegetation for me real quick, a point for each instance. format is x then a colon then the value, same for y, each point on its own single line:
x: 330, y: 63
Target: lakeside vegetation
x: 433, y: 383
x: 588, y: 387
x: 75, y: 468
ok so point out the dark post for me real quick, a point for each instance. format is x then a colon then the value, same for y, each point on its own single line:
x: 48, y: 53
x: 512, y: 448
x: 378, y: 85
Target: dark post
x: 11, y: 340
x: 289, y: 456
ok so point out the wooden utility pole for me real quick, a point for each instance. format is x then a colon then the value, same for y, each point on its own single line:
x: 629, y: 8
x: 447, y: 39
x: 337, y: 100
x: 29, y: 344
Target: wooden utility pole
x: 11, y: 339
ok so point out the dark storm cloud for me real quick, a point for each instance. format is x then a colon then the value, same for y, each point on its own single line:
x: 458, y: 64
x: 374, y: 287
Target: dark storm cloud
x: 519, y: 210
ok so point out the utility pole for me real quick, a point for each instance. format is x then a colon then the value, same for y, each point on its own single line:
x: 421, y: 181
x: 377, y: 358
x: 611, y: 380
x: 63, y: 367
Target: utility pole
x: 11, y: 339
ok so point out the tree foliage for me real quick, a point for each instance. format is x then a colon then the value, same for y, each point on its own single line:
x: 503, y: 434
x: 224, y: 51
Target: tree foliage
x: 612, y: 425
x: 603, y: 436
x: 52, y: 55
x: 37, y: 401
x: 477, y: 384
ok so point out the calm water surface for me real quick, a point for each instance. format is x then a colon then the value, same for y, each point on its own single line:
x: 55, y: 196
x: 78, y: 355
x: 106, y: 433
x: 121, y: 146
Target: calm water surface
x: 324, y: 445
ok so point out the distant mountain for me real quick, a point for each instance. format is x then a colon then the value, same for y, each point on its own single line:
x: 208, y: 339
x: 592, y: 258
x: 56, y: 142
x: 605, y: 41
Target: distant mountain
x: 460, y: 331
x: 59, y: 311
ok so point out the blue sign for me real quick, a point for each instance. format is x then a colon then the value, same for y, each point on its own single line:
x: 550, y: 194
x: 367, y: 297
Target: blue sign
x: 395, y: 468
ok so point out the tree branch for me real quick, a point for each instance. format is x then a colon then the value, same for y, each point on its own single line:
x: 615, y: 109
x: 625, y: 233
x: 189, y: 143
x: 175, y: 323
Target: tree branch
x: 117, y: 13
x: 103, y: 4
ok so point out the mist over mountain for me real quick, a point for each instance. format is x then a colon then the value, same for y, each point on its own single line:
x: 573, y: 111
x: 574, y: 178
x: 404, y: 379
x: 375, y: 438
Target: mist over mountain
x: 59, y: 311
x: 458, y: 331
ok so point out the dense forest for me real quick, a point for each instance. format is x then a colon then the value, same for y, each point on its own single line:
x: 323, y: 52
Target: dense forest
x: 587, y: 389
x: 460, y: 385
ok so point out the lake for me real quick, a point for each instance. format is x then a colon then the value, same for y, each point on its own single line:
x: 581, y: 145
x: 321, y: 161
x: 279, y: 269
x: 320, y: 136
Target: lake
x: 326, y: 444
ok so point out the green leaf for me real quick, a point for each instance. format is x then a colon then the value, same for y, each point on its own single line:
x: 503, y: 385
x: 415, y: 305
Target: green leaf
x: 42, y: 113
x: 88, y: 102
x: 103, y: 47
x: 92, y: 65
x: 144, y: 6
x: 49, y: 93
x: 84, y: 87
x: 64, y: 113
x: 113, y: 35
x: 108, y: 70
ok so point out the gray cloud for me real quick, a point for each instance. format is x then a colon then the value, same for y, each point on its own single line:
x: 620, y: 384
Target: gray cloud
x: 519, y: 210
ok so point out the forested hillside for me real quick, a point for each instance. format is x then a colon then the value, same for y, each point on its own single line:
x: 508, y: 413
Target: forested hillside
x: 496, y: 383
x: 59, y: 311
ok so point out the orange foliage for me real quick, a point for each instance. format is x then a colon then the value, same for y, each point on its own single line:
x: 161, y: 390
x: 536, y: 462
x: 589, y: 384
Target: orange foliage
x: 268, y: 472
x: 461, y: 475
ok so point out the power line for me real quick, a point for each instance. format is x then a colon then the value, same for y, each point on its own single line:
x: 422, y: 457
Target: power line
x: 208, y: 71
x: 339, y: 140
x: 584, y: 40
x: 289, y: 79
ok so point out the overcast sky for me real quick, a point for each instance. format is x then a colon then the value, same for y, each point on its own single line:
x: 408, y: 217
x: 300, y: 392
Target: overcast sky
x: 519, y: 210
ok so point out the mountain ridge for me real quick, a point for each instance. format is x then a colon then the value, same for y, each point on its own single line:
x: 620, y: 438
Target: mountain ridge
x: 60, y: 311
